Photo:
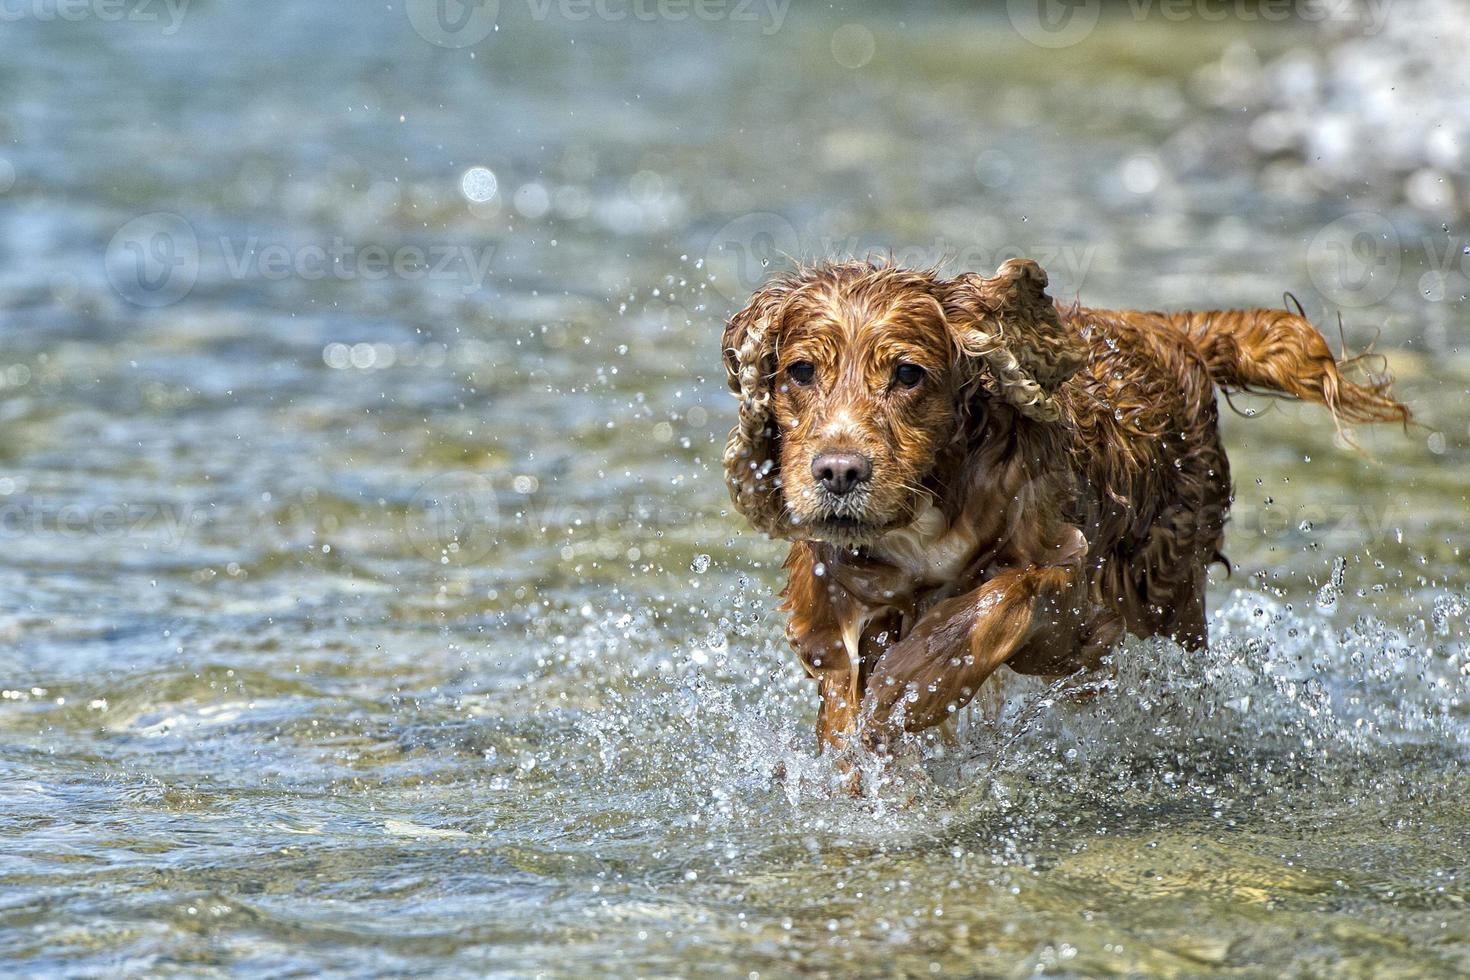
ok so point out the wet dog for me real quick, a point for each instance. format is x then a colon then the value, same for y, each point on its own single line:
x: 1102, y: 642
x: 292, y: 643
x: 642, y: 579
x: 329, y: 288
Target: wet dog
x: 972, y: 475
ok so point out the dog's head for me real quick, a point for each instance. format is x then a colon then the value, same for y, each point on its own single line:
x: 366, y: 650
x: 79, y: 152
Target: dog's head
x: 854, y: 378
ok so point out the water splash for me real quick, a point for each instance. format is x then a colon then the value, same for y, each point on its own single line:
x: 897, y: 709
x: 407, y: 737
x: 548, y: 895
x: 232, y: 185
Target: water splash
x: 1283, y: 706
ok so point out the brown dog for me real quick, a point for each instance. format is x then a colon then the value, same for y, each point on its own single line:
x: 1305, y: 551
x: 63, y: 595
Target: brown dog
x: 973, y: 476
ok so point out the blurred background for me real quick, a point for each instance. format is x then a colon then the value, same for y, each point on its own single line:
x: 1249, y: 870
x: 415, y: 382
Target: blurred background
x: 370, y: 601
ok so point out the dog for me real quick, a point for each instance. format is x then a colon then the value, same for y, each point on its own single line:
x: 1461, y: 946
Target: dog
x: 972, y: 475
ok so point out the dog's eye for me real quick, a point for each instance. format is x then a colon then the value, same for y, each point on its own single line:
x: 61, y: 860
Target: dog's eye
x: 802, y: 372
x: 909, y: 375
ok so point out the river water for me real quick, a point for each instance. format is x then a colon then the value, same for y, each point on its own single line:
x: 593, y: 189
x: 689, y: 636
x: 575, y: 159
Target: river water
x: 370, y: 603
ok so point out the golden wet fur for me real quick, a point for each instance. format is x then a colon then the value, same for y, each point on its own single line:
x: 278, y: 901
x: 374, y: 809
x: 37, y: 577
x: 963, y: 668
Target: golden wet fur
x: 1053, y: 479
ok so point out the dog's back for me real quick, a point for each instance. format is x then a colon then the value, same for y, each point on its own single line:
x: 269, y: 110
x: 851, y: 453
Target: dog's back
x: 1160, y: 494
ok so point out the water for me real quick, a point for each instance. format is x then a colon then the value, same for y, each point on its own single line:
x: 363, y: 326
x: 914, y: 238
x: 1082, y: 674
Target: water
x: 373, y: 624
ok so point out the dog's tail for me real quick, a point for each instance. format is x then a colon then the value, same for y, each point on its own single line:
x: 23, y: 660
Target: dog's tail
x: 1279, y: 351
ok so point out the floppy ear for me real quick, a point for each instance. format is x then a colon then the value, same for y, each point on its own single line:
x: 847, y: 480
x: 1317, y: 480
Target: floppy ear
x: 1008, y: 328
x: 753, y: 453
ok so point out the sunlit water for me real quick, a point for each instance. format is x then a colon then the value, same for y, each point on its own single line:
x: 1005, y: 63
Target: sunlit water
x: 397, y: 624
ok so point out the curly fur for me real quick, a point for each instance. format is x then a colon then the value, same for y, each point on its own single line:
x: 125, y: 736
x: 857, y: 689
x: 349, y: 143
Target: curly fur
x: 1007, y: 327
x: 1056, y: 480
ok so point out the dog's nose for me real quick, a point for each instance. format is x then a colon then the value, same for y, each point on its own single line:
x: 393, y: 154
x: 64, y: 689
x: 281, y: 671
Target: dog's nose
x: 841, y: 472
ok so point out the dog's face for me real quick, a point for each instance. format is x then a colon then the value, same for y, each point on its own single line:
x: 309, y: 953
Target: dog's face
x: 855, y: 377
x: 864, y: 399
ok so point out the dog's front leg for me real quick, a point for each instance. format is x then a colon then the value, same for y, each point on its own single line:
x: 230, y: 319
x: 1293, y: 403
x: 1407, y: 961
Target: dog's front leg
x: 819, y: 609
x: 938, y: 668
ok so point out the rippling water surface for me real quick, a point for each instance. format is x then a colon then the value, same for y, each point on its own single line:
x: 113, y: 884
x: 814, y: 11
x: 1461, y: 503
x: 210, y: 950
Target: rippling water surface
x: 394, y: 622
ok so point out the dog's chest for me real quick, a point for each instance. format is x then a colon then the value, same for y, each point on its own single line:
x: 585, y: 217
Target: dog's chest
x: 928, y: 550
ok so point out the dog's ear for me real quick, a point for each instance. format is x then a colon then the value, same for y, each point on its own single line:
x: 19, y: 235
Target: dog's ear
x: 753, y: 452
x: 1011, y: 338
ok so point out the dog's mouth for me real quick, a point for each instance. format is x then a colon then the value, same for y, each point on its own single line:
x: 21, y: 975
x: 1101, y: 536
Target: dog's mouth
x: 845, y: 530
x: 849, y: 521
x: 841, y: 522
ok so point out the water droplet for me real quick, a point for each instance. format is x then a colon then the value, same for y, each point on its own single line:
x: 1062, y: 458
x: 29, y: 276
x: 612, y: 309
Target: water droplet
x: 478, y: 184
x: 700, y: 564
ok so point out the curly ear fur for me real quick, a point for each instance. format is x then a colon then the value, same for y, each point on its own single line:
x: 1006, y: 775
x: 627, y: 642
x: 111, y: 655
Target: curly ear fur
x: 1010, y: 328
x: 1005, y: 325
x: 753, y: 452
